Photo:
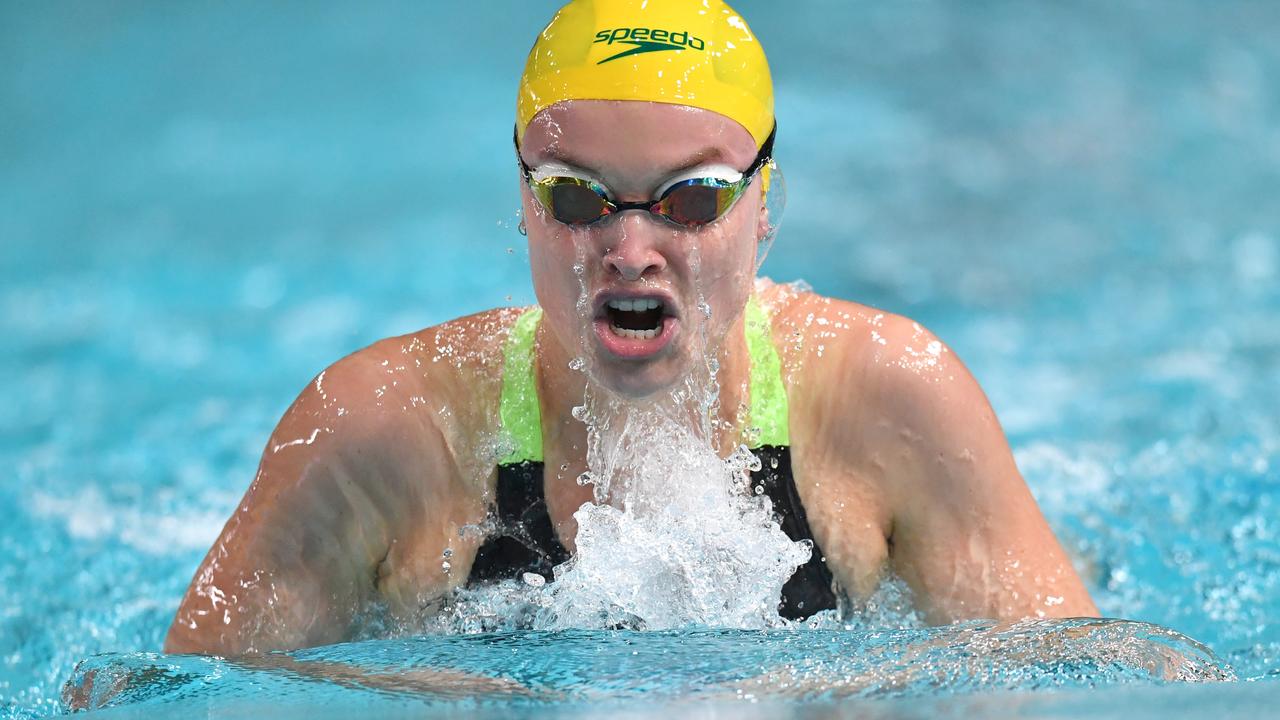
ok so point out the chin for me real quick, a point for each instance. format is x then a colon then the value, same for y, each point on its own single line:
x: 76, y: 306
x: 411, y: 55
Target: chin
x: 638, y: 380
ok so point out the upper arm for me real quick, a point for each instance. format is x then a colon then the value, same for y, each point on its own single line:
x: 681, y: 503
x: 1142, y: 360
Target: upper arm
x: 967, y: 533
x: 357, y: 470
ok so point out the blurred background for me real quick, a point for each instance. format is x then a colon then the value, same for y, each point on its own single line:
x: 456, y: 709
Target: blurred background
x: 204, y: 204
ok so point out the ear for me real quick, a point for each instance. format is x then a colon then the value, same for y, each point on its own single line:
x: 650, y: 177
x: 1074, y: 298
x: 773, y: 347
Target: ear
x: 762, y: 221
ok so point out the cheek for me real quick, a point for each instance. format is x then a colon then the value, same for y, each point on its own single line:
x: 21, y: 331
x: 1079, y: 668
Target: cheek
x: 551, y: 261
x: 728, y: 268
x: 552, y: 255
x: 729, y: 254
x: 548, y: 250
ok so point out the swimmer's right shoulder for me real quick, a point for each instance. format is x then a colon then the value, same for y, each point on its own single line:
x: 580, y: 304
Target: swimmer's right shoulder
x: 448, y: 375
x: 378, y: 464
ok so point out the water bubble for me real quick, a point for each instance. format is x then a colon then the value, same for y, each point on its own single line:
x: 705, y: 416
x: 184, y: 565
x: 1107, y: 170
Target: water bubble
x: 448, y: 552
x: 586, y: 478
x: 579, y: 413
x: 577, y: 364
x: 533, y: 579
x: 446, y: 566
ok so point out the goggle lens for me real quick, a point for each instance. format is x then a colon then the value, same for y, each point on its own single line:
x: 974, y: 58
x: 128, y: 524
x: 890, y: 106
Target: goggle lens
x: 573, y: 201
x: 692, y: 203
x: 698, y: 202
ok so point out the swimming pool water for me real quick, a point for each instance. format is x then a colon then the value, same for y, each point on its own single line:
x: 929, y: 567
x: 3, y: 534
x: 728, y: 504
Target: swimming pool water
x: 201, y: 207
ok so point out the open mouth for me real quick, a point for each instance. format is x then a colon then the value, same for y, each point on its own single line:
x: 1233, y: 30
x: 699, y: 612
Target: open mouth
x: 635, y: 319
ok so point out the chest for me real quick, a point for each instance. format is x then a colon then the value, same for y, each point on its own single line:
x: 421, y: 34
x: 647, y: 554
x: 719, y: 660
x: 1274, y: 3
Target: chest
x: 850, y: 521
x: 844, y: 517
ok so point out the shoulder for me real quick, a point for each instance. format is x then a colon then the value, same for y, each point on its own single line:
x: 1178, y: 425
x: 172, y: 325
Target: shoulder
x: 454, y: 358
x: 376, y: 433
x: 443, y: 380
x: 872, y: 379
x: 823, y: 340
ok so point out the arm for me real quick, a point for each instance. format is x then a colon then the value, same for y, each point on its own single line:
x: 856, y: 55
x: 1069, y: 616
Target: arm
x: 355, y: 500
x: 967, y: 535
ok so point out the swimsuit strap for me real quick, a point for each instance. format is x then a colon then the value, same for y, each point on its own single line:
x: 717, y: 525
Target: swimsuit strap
x: 518, y: 408
x: 522, y: 417
x: 769, y: 411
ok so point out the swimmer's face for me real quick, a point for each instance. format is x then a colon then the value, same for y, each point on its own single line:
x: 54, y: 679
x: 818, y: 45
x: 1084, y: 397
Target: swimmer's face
x: 634, y: 258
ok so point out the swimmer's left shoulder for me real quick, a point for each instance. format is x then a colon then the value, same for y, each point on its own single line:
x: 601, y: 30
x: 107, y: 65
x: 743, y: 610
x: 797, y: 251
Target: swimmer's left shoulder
x: 811, y: 329
x: 890, y: 366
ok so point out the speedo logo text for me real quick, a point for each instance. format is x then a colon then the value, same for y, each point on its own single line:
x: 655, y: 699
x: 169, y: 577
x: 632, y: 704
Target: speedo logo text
x: 646, y: 40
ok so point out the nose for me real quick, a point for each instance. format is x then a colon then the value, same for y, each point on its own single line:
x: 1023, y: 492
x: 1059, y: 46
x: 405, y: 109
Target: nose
x: 633, y: 252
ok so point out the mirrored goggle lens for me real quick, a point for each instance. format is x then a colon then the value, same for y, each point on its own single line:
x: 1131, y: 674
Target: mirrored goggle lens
x: 571, y: 201
x: 698, y: 202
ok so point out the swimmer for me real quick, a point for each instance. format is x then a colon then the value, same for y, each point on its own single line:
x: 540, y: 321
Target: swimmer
x: 644, y: 140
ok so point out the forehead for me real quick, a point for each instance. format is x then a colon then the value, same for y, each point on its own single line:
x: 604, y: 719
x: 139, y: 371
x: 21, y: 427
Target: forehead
x: 632, y: 137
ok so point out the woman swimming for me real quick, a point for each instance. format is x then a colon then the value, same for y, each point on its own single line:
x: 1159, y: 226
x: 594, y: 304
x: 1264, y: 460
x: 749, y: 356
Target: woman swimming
x: 644, y: 139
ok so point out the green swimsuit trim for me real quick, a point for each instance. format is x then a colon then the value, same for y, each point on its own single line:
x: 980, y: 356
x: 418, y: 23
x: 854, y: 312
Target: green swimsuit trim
x: 522, y: 416
x: 769, y: 410
x: 518, y: 408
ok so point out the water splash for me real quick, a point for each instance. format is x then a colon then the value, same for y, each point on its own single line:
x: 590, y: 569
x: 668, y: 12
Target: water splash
x: 675, y: 538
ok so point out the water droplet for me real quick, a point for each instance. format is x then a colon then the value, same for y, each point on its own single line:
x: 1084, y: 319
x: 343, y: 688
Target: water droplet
x: 586, y: 478
x: 579, y: 413
x: 759, y: 489
x: 577, y: 364
x: 446, y: 566
x: 448, y: 552
x: 533, y: 579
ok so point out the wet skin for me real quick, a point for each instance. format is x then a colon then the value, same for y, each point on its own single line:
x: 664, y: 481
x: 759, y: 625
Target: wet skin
x: 370, y: 479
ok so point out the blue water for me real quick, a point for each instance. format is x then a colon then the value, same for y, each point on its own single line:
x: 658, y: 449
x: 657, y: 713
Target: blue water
x: 203, y: 205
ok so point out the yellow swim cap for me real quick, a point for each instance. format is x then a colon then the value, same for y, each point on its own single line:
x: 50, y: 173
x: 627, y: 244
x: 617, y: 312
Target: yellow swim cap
x: 684, y: 52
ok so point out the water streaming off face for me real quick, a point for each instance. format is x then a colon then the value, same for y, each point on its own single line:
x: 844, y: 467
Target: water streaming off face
x: 676, y: 537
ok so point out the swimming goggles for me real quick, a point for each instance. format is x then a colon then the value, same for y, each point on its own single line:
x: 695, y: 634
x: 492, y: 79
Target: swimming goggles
x: 690, y: 203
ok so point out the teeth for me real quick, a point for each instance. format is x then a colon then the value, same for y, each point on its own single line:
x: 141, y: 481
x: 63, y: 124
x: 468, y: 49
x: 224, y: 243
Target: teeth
x: 635, y: 305
x: 635, y: 334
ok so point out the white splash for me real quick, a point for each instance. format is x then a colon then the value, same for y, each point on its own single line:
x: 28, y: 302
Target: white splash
x: 675, y: 538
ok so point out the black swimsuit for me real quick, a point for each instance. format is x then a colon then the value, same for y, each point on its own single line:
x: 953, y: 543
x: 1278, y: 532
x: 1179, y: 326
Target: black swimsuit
x: 525, y: 541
